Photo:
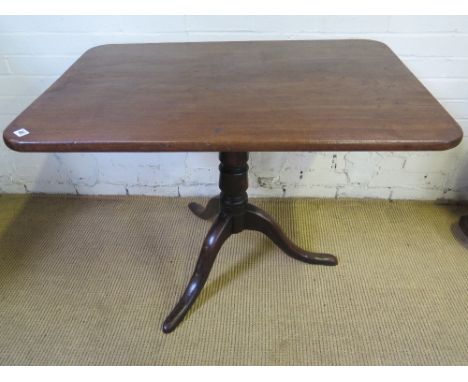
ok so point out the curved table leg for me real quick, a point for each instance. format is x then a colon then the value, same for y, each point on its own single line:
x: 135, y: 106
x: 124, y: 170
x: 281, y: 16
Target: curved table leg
x: 217, y: 235
x: 205, y: 213
x: 258, y: 220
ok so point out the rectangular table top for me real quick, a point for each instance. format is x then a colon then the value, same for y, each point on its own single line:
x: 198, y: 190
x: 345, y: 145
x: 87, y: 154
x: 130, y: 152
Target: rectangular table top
x: 325, y: 95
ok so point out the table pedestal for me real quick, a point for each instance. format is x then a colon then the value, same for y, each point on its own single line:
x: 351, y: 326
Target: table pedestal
x: 234, y: 214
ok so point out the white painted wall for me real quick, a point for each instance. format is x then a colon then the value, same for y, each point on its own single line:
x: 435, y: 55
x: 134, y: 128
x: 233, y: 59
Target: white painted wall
x: 35, y: 51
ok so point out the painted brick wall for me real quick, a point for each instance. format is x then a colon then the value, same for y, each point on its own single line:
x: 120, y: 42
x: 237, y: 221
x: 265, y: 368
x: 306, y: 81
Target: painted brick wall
x: 34, y: 51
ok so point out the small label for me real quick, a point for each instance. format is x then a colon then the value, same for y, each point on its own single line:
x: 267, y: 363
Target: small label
x: 21, y: 132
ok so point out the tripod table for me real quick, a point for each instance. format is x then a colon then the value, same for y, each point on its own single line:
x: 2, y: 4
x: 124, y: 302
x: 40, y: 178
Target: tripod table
x: 235, y: 98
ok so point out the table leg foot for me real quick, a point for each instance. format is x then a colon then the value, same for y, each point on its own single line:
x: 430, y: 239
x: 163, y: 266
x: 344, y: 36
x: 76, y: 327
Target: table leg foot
x: 212, y: 208
x: 258, y: 220
x: 217, y: 235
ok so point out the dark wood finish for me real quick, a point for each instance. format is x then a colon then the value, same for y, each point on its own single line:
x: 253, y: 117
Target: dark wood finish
x: 258, y: 220
x: 212, y: 208
x: 235, y: 215
x: 236, y: 96
x: 217, y: 235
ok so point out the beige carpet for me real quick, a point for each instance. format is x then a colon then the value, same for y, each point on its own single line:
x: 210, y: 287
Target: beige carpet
x: 89, y: 281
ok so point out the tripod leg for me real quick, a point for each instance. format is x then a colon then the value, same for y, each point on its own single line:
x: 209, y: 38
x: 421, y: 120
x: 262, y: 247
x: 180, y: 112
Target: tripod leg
x: 258, y: 220
x: 205, y: 213
x: 217, y: 235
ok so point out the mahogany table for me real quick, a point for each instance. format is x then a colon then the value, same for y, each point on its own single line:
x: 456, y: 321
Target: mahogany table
x: 235, y: 98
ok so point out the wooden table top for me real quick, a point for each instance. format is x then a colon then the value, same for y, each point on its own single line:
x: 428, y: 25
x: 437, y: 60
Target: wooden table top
x: 326, y: 95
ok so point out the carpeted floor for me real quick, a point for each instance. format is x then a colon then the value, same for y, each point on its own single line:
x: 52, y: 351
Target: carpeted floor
x: 89, y: 280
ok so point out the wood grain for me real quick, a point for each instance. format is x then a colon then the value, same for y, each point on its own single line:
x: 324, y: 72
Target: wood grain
x: 236, y: 96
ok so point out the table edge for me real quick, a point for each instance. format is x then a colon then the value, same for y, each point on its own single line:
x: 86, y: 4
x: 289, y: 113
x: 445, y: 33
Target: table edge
x: 146, y: 146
